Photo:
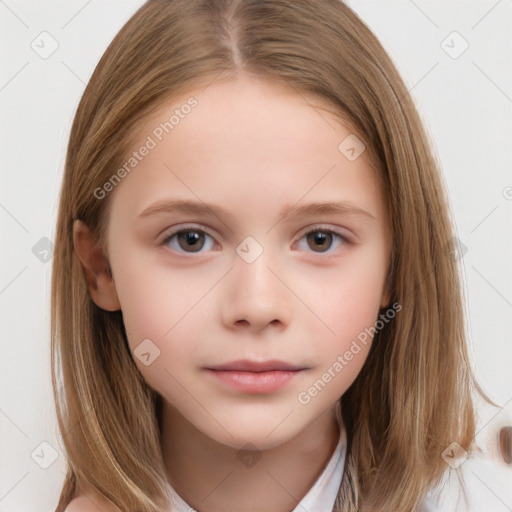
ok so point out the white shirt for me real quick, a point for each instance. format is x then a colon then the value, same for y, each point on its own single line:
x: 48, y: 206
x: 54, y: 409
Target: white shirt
x: 488, y: 485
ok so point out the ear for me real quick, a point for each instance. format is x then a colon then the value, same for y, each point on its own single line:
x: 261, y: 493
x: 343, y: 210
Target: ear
x: 99, y: 279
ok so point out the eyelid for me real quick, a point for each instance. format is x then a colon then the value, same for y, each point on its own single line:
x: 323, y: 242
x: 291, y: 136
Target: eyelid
x: 174, y: 230
x: 200, y: 227
x: 342, y: 232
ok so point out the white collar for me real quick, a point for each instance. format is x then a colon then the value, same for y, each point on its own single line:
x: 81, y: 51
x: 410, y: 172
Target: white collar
x: 321, y: 497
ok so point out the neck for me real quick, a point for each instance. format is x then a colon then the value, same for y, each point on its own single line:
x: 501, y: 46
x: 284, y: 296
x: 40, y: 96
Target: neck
x: 213, y: 477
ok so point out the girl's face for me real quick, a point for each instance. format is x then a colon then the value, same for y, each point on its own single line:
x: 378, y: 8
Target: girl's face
x: 245, y: 232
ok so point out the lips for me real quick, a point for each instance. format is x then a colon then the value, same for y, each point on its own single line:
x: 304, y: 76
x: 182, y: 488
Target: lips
x: 245, y: 365
x: 255, y: 377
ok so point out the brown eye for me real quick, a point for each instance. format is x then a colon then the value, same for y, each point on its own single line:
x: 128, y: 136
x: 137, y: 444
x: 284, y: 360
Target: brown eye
x: 320, y: 241
x: 190, y: 240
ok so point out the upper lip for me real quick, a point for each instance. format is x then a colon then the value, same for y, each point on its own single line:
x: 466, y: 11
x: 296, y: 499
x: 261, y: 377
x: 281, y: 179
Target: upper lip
x: 245, y: 365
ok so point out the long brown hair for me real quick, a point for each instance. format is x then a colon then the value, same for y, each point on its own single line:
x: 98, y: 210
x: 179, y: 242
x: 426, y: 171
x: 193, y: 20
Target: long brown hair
x: 412, y: 398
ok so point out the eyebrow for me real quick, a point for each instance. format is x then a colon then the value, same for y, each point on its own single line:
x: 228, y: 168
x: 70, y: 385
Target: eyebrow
x: 288, y: 213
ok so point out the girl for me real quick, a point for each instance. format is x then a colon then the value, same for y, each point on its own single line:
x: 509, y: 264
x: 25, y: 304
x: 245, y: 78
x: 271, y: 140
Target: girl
x: 255, y: 298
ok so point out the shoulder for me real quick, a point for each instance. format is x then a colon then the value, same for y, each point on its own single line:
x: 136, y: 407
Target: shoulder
x: 90, y: 501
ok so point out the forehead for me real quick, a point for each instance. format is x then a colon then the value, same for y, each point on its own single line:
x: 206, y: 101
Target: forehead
x: 244, y: 137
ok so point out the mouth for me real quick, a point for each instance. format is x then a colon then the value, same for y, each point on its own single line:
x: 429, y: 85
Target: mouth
x: 255, y: 377
x: 245, y: 365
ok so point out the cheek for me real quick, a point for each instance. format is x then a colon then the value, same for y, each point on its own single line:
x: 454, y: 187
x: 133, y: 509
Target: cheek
x: 352, y: 320
x: 348, y: 302
x: 153, y: 313
x: 351, y: 313
x: 143, y: 306
x: 155, y: 297
x: 348, y: 298
x: 160, y: 314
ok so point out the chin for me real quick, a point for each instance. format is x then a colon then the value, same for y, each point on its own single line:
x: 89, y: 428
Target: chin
x: 250, y: 433
x: 252, y: 441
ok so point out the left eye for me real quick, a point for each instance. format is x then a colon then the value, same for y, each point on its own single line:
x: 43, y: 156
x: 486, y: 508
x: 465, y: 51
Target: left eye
x: 322, y: 240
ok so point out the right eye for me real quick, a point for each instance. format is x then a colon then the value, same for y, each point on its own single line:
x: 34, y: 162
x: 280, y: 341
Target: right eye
x: 189, y: 240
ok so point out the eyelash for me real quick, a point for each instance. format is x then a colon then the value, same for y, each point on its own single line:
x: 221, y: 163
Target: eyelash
x: 167, y: 237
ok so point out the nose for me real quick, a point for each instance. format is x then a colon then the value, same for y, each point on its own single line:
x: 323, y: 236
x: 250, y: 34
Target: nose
x: 254, y: 297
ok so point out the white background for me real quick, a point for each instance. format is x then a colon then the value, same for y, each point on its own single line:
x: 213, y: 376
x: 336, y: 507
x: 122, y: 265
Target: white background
x: 466, y: 103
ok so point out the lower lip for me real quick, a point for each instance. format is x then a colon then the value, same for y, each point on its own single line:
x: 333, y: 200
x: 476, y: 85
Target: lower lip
x: 255, y: 382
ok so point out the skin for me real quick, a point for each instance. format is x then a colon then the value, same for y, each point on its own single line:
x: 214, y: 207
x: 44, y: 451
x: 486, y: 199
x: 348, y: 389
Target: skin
x: 252, y: 147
